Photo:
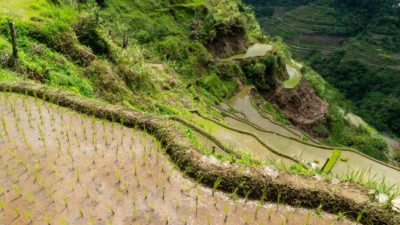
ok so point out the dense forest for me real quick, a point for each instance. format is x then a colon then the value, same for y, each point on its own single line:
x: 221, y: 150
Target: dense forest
x: 355, y: 45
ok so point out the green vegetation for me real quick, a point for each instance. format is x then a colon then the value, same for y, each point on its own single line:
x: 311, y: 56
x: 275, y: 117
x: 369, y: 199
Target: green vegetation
x: 262, y: 72
x: 168, y: 65
x: 326, y: 40
x: 355, y: 45
x: 332, y: 161
x: 278, y: 116
x: 135, y: 53
x: 159, y: 58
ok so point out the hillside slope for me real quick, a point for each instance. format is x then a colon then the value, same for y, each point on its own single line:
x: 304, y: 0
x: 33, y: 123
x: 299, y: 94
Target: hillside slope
x: 165, y: 58
x: 171, y: 69
x: 355, y: 46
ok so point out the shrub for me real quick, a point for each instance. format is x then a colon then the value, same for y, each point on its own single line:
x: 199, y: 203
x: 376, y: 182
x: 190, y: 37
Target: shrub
x: 228, y: 70
x: 220, y: 89
x: 262, y: 72
x: 87, y: 33
x: 371, y: 146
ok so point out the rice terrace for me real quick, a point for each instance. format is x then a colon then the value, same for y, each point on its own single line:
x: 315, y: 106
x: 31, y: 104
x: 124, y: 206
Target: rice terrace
x: 177, y: 112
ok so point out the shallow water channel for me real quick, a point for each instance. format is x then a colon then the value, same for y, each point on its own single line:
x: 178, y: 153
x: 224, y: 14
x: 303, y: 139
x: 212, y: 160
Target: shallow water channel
x: 60, y: 167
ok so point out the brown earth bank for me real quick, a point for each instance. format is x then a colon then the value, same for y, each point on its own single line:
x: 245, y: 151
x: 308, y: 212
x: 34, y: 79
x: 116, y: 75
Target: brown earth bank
x: 301, y: 105
x: 228, y: 41
x: 253, y: 182
x: 227, y: 44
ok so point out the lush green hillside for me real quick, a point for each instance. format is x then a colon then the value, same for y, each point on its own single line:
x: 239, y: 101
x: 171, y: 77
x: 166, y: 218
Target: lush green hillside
x: 355, y: 45
x: 204, y: 82
x: 162, y: 57
x: 78, y: 46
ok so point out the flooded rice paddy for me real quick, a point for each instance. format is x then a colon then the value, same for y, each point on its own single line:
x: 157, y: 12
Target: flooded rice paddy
x: 256, y: 50
x: 59, y: 167
x: 291, y: 142
x: 294, y: 77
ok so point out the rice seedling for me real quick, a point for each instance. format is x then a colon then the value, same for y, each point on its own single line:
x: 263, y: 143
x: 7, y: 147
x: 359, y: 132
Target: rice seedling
x: 92, y: 220
x: 63, y: 221
x: 4, y: 125
x: 163, y: 193
x: 169, y: 174
x: 50, y: 195
x: 78, y: 175
x: 258, y: 206
x: 278, y: 202
x: 41, y: 182
x: 340, y: 216
x: 359, y: 217
x: 111, y: 209
x: 28, y: 215
x: 217, y: 182
x: 16, y: 211
x: 25, y: 103
x: 14, y: 110
x: 14, y: 175
x: 319, y: 210
x: 65, y: 201
x: 308, y: 218
x: 81, y: 213
x: 30, y: 197
x: 116, y: 153
x: 134, y: 211
x: 138, y: 181
x: 226, y: 209
x: 17, y: 190
x: 118, y: 176
x: 270, y: 212
x: 46, y: 219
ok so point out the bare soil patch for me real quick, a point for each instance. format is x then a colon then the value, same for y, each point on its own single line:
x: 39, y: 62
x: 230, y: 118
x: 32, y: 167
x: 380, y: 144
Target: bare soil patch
x: 301, y: 105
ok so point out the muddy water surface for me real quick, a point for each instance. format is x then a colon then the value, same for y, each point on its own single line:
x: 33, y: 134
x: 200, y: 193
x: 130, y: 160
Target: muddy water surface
x: 310, y: 153
x: 244, y: 143
x: 294, y: 77
x: 255, y: 50
x: 59, y: 167
x: 242, y: 103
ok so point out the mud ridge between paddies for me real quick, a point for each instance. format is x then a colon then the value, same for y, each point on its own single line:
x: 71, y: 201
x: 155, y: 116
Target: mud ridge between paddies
x: 252, y: 182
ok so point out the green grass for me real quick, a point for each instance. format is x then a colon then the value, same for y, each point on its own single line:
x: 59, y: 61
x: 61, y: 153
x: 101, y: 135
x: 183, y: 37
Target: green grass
x: 278, y: 116
x: 23, y: 9
x: 155, y: 36
x: 8, y: 76
x: 332, y: 161
x: 365, y: 178
x: 292, y: 83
